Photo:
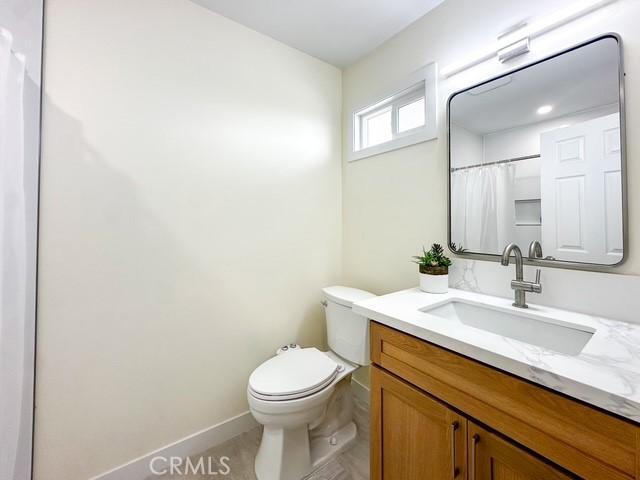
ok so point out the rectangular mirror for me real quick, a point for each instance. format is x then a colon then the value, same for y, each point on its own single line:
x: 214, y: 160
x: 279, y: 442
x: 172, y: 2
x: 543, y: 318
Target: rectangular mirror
x: 538, y: 154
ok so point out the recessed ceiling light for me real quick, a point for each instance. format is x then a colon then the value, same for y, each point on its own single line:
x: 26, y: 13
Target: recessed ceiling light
x: 544, y: 109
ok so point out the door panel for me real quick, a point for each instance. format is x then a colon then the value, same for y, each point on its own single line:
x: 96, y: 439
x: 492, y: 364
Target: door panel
x: 612, y: 209
x: 493, y: 458
x: 581, y: 192
x: 570, y: 220
x: 414, y: 437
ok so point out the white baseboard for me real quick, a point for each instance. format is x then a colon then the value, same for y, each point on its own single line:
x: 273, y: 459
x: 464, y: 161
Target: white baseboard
x: 138, y: 468
x: 360, y: 391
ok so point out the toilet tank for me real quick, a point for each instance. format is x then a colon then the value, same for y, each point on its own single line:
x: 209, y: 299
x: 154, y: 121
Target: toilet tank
x: 347, y: 332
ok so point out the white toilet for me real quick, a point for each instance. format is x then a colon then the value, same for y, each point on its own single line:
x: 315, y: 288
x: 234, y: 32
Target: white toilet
x: 303, y: 397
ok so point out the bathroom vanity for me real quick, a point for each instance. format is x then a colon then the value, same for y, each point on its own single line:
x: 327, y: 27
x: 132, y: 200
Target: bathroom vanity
x: 475, y: 387
x: 466, y: 386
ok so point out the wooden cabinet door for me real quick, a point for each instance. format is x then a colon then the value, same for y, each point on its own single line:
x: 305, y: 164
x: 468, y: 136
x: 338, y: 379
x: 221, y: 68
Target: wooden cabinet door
x: 493, y: 458
x: 413, y: 436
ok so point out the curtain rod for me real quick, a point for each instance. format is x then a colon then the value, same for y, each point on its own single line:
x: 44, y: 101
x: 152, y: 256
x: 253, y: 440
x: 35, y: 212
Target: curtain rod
x: 508, y: 160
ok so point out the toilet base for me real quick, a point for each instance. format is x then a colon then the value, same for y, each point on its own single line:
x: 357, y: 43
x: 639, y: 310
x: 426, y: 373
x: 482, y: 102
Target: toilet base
x: 323, y: 449
x: 336, y: 431
x: 292, y: 453
x: 302, y: 456
x: 271, y: 461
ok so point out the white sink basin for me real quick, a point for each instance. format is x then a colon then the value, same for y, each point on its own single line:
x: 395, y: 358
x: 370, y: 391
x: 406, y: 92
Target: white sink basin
x: 549, y: 333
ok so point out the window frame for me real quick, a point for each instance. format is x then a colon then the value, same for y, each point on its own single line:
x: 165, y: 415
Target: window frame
x: 421, y: 83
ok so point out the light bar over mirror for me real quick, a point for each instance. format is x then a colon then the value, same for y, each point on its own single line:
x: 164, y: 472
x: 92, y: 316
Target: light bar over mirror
x: 538, y: 154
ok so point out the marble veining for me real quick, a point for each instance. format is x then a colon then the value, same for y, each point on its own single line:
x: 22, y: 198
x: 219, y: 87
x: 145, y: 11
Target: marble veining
x: 605, y: 373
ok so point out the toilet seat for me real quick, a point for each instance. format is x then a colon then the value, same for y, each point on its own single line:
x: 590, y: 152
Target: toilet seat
x: 292, y: 375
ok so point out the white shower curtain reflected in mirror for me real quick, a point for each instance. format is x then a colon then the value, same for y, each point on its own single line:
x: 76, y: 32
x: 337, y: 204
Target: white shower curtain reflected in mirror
x: 482, y: 207
x: 13, y: 260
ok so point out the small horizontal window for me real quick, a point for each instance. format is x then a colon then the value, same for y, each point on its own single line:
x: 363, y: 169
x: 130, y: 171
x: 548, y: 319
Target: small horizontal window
x: 402, y: 119
x: 389, y: 119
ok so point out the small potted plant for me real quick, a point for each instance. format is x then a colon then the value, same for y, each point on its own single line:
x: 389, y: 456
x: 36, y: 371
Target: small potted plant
x: 434, y: 269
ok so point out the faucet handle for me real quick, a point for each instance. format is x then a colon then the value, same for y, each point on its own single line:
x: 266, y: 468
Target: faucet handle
x: 536, y: 287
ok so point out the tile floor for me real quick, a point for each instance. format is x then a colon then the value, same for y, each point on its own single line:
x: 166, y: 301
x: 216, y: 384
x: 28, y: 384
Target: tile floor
x: 352, y: 464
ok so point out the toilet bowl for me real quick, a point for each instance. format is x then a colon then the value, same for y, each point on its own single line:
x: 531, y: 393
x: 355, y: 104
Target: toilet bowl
x: 302, y: 397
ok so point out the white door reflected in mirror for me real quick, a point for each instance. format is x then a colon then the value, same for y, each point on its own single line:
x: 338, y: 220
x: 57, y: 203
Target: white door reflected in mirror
x: 582, y: 191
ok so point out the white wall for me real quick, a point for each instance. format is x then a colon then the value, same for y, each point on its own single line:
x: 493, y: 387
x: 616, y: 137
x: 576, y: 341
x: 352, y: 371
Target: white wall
x: 190, y: 216
x: 467, y: 148
x: 396, y: 202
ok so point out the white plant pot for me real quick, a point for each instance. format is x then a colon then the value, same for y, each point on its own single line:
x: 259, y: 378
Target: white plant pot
x: 434, y: 283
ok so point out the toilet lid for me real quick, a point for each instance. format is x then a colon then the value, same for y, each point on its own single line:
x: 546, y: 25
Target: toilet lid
x: 294, y: 374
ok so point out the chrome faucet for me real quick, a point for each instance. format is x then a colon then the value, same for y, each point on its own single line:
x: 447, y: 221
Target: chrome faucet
x: 519, y: 285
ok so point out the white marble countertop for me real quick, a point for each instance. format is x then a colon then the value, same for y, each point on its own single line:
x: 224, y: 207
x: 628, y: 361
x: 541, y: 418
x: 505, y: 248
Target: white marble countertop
x: 606, y: 372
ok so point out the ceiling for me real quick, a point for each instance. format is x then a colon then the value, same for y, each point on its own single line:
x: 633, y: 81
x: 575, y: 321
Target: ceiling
x: 337, y: 31
x: 580, y: 80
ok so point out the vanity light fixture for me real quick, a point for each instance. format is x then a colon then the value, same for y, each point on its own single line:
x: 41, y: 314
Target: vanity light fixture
x: 515, y: 40
x: 514, y: 50
x: 544, y: 109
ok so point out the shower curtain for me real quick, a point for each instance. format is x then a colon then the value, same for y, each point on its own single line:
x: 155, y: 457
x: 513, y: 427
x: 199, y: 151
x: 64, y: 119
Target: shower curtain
x: 13, y: 267
x: 482, y: 207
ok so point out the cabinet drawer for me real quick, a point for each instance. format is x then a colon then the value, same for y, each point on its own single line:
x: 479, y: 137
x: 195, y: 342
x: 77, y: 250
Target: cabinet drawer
x: 582, y: 439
